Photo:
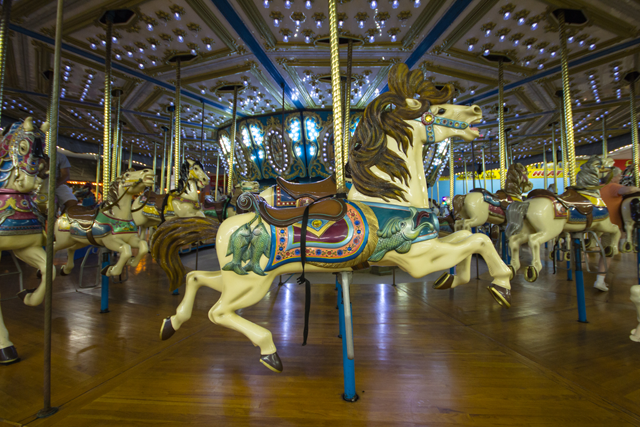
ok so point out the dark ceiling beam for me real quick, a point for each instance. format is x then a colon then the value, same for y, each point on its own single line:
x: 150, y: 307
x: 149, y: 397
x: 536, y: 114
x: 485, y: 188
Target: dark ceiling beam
x: 241, y: 29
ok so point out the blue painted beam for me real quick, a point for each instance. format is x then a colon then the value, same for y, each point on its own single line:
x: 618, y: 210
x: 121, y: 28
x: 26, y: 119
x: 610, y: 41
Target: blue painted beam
x: 436, y: 32
x: 232, y: 17
x: 555, y: 70
x: 116, y: 66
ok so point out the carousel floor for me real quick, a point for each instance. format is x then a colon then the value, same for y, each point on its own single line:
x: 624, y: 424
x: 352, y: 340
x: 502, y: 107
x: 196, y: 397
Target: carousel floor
x: 423, y: 357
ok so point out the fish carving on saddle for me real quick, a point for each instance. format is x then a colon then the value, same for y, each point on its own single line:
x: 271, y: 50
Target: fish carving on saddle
x: 398, y: 234
x: 248, y: 244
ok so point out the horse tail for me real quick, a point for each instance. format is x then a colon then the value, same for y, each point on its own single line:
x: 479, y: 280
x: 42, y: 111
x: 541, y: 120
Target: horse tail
x: 516, y: 213
x: 174, y: 234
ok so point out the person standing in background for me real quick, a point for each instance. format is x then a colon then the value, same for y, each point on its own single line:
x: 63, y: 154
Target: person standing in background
x: 63, y: 191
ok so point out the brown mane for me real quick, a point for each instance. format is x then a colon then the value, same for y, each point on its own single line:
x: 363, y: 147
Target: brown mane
x: 517, y: 179
x: 369, y: 143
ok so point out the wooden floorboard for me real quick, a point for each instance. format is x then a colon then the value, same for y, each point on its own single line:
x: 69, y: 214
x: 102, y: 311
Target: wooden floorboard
x: 423, y: 357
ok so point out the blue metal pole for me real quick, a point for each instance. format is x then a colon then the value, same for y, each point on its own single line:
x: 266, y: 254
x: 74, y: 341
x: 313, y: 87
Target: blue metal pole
x: 569, y: 272
x: 348, y: 366
x: 104, y: 295
x: 582, y: 307
x: 176, y: 291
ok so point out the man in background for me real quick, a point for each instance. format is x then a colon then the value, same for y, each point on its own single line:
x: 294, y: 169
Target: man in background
x: 63, y: 191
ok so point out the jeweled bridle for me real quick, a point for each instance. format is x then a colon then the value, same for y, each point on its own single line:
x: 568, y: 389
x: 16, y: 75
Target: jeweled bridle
x: 430, y: 120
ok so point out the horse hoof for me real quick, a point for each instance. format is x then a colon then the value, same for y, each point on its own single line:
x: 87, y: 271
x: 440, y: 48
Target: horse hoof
x: 627, y: 247
x: 608, y: 251
x: 39, y: 274
x: 23, y: 293
x: 531, y: 274
x: 501, y: 295
x: 512, y: 271
x: 105, y: 270
x: 8, y: 355
x: 272, y: 361
x: 166, y: 331
x: 551, y: 255
x: 63, y: 272
x: 567, y: 256
x: 444, y: 282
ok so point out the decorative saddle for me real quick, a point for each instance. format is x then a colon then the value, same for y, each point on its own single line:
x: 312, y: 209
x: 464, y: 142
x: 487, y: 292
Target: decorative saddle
x: 326, y: 209
x: 219, y: 208
x: 314, y: 191
x: 575, y: 205
x: 82, y: 215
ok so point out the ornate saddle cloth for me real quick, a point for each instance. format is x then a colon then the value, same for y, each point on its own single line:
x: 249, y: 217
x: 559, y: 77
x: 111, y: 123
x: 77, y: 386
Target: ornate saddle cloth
x: 328, y: 242
x: 17, y: 214
x: 102, y: 226
x: 282, y: 199
x: 577, y: 206
x: 497, y: 202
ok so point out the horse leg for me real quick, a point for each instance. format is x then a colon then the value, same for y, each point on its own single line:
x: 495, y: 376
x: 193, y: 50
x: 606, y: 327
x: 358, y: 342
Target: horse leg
x: 8, y: 353
x: 536, y: 240
x: 515, y: 242
x: 36, y: 257
x: 244, y: 292
x: 118, y: 245
x: 68, y: 267
x: 195, y: 280
x: 635, y: 298
x: 143, y: 249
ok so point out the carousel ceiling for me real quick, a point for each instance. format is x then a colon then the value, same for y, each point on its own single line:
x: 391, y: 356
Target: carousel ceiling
x: 272, y: 48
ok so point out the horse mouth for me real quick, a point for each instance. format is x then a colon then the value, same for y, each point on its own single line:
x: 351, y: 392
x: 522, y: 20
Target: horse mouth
x: 474, y: 122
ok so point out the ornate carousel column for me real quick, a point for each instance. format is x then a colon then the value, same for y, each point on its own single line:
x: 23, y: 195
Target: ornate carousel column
x: 176, y: 127
x: 554, y: 156
x: 108, y: 18
x: 605, y: 148
x: 336, y: 96
x: 632, y: 77
x: 502, y: 143
x: 452, y: 175
x: 4, y: 39
x: 347, y: 105
x: 232, y: 142
x: 163, y: 161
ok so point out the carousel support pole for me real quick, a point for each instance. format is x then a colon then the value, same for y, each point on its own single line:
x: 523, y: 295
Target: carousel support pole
x: 155, y: 154
x: 484, y: 171
x: 473, y: 162
x: 98, y: 165
x: 348, y: 364
x: 605, y: 148
x: 582, y: 306
x: 215, y: 197
x: 232, y: 143
x: 104, y: 290
x: 176, y: 127
x: 131, y: 154
x: 544, y: 166
x: 563, y: 145
x: 120, y: 140
x: 163, y: 164
x: 502, y: 143
x: 566, y: 99
x: 452, y: 183
x: 4, y: 38
x: 632, y: 77
x: 115, y: 168
x: 106, y: 139
x: 491, y: 155
x: 465, y: 182
x: 335, y: 90
x: 554, y: 156
x: 48, y: 410
x: 49, y: 76
x: 202, y: 135
x: 169, y: 167
x: 347, y: 106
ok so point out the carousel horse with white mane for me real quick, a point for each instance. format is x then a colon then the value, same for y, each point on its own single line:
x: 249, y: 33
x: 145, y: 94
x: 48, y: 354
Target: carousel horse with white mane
x: 545, y: 215
x: 22, y: 163
x: 480, y: 206
x: 110, y: 225
x: 385, y: 219
x: 150, y: 209
x: 625, y: 209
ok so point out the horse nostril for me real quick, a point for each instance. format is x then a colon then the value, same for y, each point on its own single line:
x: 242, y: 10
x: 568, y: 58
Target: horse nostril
x: 477, y: 109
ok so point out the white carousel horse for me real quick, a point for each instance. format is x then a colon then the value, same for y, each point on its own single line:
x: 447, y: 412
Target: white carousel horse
x: 21, y: 227
x: 479, y: 206
x: 385, y: 220
x: 545, y: 215
x: 110, y: 225
x: 150, y: 209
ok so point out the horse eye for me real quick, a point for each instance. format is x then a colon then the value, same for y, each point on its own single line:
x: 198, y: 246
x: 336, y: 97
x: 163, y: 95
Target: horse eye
x: 441, y: 111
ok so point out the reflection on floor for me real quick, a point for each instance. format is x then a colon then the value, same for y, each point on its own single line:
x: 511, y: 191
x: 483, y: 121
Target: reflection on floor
x: 423, y: 357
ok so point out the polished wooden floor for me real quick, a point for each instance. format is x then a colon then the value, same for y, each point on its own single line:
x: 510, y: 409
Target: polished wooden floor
x: 423, y: 357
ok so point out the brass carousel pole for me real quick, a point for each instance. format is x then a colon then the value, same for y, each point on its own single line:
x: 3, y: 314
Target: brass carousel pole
x: 563, y: 145
x: 202, y: 136
x: 544, y: 166
x: 465, y: 182
x: 554, y: 157
x: 502, y: 143
x: 120, y: 141
x: 605, y: 148
x: 163, y: 162
x: 131, y: 155
x: 484, y: 171
x: 232, y: 143
x: 169, y: 166
x: 155, y: 156
x: 336, y: 96
x: 452, y: 177
x: 176, y: 128
x: 215, y: 197
x: 98, y: 166
x: 566, y: 100
x: 47, y: 409
x: 49, y: 76
x: 347, y: 106
x: 632, y: 77
x: 4, y: 38
x: 116, y: 138
x: 106, y: 139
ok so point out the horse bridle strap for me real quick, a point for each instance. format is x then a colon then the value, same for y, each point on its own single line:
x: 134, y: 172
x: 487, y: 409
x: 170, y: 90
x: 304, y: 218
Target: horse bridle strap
x: 429, y: 120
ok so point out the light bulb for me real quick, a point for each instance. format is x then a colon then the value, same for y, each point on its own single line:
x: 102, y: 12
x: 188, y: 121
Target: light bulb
x: 153, y: 46
x: 130, y: 54
x: 307, y: 39
x: 318, y: 24
x: 382, y: 22
x: 104, y: 43
x: 470, y: 48
x: 416, y: 3
x: 193, y: 52
x: 180, y: 39
x: 141, y: 66
x: 177, y: 16
x: 502, y: 37
x: 486, y: 52
x: 395, y: 4
x: 276, y: 22
x: 487, y: 33
x: 93, y: 46
x: 592, y: 46
x: 393, y: 37
x: 150, y: 27
x: 287, y: 4
x: 340, y: 22
x: 307, y: 4
x: 360, y: 24
x: 285, y: 38
x: 266, y: 4
x: 534, y: 25
x: 372, y: 39
x: 208, y: 46
x: 506, y: 15
x: 118, y: 57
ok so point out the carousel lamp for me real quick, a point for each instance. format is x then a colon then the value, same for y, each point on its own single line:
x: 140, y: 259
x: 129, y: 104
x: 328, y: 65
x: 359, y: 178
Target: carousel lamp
x: 471, y: 43
x: 308, y: 4
x: 394, y: 3
x: 277, y: 18
x: 373, y: 4
x: 285, y: 34
x: 371, y: 32
x: 319, y: 18
x: 287, y: 4
x: 393, y: 34
x: 487, y: 28
x: 521, y: 17
x: 266, y: 3
x: 502, y: 34
x: 361, y: 18
x: 208, y: 43
x: 403, y: 17
x: 177, y: 11
x: 341, y: 18
x: 486, y: 49
x: 308, y: 34
x: 382, y: 18
x: 179, y: 34
x: 416, y: 3
x: 298, y: 18
x: 529, y: 43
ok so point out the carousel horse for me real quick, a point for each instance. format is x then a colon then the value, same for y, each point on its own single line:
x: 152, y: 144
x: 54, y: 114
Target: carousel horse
x: 480, y: 206
x: 150, y: 209
x: 545, y: 215
x: 384, y: 220
x: 110, y: 225
x: 226, y: 206
x: 634, y: 210
x: 625, y: 209
x: 22, y: 163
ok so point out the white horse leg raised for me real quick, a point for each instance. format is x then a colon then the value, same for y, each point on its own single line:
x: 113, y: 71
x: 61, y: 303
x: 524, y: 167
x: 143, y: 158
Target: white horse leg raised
x: 515, y: 242
x: 8, y: 352
x: 68, y: 267
x: 195, y: 280
x: 116, y: 244
x: 143, y: 249
x: 635, y: 297
x: 36, y: 257
x: 607, y: 226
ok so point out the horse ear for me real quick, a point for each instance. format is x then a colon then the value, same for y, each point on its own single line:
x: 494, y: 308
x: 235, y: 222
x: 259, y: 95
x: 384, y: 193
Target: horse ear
x: 28, y: 124
x: 413, y: 104
x: 45, y: 127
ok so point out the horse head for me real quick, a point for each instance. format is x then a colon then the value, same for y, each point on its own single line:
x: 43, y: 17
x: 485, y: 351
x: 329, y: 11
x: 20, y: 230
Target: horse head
x: 192, y: 170
x: 251, y: 186
x: 595, y: 173
x: 411, y: 114
x: 131, y: 182
x: 627, y: 176
x: 517, y: 182
x: 22, y: 157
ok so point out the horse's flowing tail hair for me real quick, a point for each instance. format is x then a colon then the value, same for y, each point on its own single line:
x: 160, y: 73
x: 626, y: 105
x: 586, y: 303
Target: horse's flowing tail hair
x: 516, y: 213
x: 173, y: 235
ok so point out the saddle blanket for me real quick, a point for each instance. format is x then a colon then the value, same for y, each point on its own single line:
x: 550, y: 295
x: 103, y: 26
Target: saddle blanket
x: 599, y: 214
x: 104, y: 225
x: 17, y: 214
x: 327, y: 241
x: 492, y: 200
